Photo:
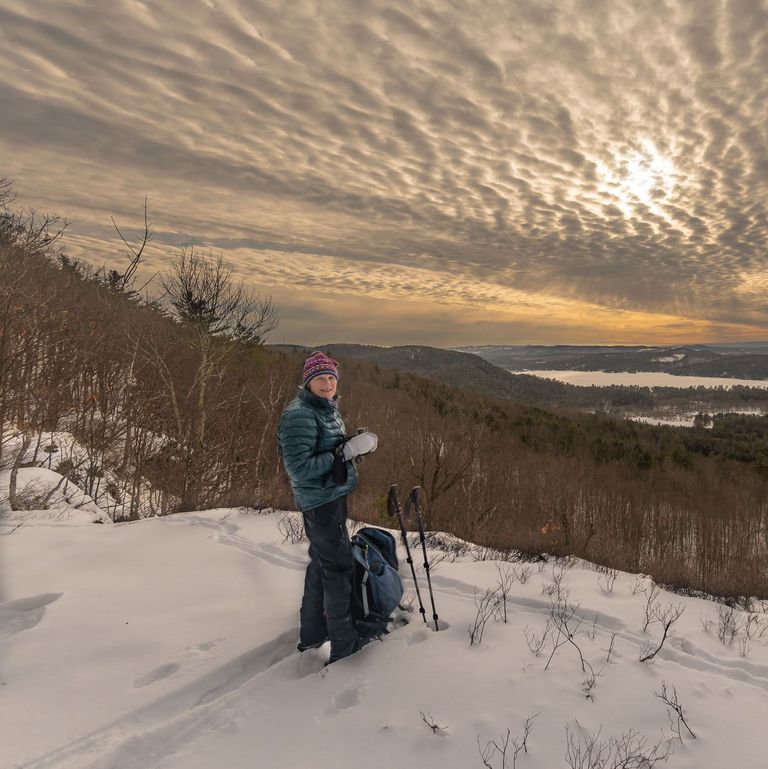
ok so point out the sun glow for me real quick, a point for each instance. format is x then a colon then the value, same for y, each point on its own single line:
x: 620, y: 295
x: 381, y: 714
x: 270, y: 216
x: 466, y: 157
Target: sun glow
x: 643, y: 177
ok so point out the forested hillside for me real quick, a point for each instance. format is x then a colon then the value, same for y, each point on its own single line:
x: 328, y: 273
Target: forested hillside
x: 472, y: 372
x: 174, y: 406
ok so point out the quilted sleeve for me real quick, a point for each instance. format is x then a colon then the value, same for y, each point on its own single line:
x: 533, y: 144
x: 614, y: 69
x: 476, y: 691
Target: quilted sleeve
x: 298, y: 433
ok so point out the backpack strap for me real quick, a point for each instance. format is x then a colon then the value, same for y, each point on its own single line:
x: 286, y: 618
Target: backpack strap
x: 364, y: 594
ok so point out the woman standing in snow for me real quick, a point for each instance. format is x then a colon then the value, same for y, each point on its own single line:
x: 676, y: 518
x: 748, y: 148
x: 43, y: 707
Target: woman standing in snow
x: 318, y: 458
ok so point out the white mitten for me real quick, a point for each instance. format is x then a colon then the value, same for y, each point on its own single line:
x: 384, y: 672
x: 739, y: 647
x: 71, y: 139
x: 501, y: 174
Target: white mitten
x: 362, y: 443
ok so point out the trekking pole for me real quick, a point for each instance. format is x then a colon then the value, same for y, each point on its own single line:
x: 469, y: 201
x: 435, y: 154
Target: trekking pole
x: 393, y: 508
x: 419, y: 518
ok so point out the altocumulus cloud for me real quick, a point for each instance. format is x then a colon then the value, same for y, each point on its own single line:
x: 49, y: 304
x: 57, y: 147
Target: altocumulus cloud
x: 602, y: 159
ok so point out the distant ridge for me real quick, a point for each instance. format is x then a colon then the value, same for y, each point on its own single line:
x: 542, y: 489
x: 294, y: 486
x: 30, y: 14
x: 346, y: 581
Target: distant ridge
x: 487, y: 370
x: 734, y: 361
x: 458, y: 369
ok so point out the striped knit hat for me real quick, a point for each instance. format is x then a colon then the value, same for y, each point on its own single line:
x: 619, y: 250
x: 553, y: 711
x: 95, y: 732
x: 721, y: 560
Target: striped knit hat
x: 318, y: 364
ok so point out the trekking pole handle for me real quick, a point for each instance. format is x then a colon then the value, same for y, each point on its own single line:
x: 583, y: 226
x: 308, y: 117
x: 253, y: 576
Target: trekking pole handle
x: 392, y: 502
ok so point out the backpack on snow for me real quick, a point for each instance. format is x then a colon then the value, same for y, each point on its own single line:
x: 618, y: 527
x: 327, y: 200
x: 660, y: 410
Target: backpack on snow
x: 376, y: 586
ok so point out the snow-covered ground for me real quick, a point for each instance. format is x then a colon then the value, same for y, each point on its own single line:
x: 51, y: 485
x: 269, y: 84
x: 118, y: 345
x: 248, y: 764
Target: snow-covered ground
x: 63, y: 496
x: 639, y: 379
x: 170, y: 642
x: 680, y: 420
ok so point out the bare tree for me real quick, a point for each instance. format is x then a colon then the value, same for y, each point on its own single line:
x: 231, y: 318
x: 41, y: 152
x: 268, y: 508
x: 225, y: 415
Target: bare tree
x: 13, y: 497
x: 123, y: 282
x: 220, y: 321
x: 26, y: 228
x: 203, y: 293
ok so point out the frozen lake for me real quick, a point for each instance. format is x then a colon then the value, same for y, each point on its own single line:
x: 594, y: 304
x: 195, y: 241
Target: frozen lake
x: 641, y: 379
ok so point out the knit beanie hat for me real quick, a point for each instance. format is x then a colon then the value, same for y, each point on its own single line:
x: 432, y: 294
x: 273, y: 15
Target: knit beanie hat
x: 318, y: 364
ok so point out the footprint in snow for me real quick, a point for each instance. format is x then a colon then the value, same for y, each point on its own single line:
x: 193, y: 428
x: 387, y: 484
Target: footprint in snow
x: 23, y: 613
x: 158, y: 674
x: 417, y: 637
x: 343, y: 701
x: 189, y: 659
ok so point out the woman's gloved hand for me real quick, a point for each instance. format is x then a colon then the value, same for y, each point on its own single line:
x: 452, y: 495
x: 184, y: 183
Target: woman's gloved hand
x: 357, y: 445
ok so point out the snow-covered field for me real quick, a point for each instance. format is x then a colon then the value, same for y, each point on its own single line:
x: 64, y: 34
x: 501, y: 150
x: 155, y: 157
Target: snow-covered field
x: 688, y: 418
x: 639, y: 379
x: 170, y: 642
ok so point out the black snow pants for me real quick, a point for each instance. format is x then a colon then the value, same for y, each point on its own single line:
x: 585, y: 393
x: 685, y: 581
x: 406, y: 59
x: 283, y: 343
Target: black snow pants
x: 325, y: 607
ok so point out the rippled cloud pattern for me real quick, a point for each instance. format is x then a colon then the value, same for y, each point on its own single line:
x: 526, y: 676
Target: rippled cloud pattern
x: 488, y: 172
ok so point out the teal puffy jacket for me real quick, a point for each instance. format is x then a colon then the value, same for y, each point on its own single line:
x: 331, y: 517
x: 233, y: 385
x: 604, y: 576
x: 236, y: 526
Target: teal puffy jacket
x: 309, y: 431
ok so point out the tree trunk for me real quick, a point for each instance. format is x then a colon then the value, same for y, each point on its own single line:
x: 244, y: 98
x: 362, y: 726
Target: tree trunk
x: 12, y: 493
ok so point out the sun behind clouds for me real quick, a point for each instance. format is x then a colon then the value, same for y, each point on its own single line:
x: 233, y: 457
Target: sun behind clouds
x: 642, y: 176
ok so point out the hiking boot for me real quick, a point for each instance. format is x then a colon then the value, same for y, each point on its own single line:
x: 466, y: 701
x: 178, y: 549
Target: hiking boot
x: 304, y: 647
x: 358, y: 644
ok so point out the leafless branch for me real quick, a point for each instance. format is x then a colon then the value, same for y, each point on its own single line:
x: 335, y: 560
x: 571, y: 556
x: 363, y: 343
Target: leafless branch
x: 674, y: 711
x: 432, y: 723
x: 667, y: 618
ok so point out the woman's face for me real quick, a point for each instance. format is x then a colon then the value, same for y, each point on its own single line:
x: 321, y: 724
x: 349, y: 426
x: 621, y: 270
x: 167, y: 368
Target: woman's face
x: 323, y: 386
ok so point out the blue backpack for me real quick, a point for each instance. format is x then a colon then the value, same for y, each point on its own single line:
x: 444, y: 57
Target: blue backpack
x: 376, y: 586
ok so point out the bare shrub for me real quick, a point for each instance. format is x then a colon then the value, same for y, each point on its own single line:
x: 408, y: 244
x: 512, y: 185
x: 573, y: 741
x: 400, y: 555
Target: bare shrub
x: 34, y: 496
x: 666, y: 617
x: 432, y: 724
x: 589, y: 683
x: 444, y: 547
x: 566, y: 623
x: 651, y: 604
x: 523, y: 573
x: 727, y: 624
x: 504, y: 582
x: 740, y: 628
x: 494, y: 751
x: 292, y: 529
x: 537, y: 642
x: 563, y: 625
x: 675, y: 711
x: 628, y: 751
x: 743, y: 646
x: 484, y: 553
x: 248, y: 510
x: 486, y: 604
x: 607, y: 579
x: 592, y: 632
x: 638, y: 586
x: 755, y: 625
x: 556, y: 590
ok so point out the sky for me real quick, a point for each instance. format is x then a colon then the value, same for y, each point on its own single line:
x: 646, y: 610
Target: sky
x: 442, y: 173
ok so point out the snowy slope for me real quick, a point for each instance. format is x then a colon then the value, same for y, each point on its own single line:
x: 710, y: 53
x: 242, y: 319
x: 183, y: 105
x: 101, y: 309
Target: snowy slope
x: 171, y: 643
x: 41, y: 486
